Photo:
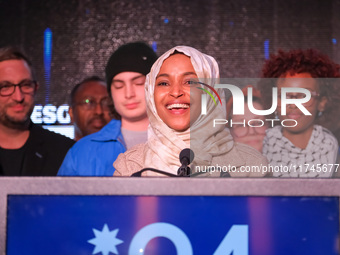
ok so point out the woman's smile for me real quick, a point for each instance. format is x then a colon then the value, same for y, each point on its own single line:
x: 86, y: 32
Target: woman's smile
x: 174, y: 103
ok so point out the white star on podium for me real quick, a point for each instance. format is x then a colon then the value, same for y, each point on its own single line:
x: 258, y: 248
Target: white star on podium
x: 105, y: 241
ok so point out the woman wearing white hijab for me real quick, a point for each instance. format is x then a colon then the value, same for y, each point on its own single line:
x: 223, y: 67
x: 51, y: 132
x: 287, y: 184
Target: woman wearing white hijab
x: 174, y: 110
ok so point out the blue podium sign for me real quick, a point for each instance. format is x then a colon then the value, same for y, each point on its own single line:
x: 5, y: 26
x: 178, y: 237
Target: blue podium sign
x: 105, y: 225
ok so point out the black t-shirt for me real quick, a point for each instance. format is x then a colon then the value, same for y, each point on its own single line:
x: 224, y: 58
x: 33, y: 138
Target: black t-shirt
x: 11, y: 161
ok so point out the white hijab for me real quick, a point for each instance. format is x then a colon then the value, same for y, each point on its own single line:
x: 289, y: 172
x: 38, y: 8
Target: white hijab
x: 165, y: 144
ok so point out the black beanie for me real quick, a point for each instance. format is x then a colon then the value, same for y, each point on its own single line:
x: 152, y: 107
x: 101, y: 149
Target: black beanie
x: 132, y: 57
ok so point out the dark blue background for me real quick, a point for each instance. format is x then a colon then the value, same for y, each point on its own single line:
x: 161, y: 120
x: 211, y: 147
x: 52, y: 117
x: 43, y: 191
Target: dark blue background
x: 58, y: 225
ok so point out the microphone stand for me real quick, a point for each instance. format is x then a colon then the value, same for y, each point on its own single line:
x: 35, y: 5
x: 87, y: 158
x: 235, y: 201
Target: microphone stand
x: 139, y: 173
x: 185, y: 157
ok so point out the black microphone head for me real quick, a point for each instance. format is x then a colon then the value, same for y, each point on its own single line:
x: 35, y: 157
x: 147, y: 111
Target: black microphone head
x: 187, y: 154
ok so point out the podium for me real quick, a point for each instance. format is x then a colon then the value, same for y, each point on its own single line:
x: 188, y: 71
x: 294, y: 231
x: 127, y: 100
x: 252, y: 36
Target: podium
x: 111, y: 215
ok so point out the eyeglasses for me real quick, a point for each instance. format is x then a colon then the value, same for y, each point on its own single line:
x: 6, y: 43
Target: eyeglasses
x: 314, y: 95
x: 90, y: 104
x: 26, y: 86
x: 241, y: 130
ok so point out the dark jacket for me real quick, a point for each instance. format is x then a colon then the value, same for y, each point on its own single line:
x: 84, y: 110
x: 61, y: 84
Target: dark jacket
x: 45, y: 152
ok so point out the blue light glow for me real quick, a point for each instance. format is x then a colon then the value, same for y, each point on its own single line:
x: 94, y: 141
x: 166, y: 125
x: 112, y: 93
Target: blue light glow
x: 154, y: 46
x: 47, y: 61
x: 166, y: 21
x: 334, y: 41
x: 266, y: 49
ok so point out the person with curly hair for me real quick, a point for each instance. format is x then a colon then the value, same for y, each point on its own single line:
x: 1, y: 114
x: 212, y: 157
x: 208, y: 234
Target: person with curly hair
x: 307, y: 148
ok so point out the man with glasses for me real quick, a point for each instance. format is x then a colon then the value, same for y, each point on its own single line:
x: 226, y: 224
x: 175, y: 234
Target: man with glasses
x: 91, y: 107
x: 25, y: 149
x: 125, y: 71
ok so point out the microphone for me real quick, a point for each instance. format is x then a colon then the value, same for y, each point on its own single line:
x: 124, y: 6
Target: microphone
x: 185, y: 157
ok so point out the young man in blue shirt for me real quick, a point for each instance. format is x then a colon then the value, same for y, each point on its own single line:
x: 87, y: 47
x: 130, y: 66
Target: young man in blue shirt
x: 126, y: 71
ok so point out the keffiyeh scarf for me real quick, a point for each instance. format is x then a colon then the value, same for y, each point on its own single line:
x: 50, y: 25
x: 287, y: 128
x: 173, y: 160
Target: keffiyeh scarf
x: 287, y: 160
